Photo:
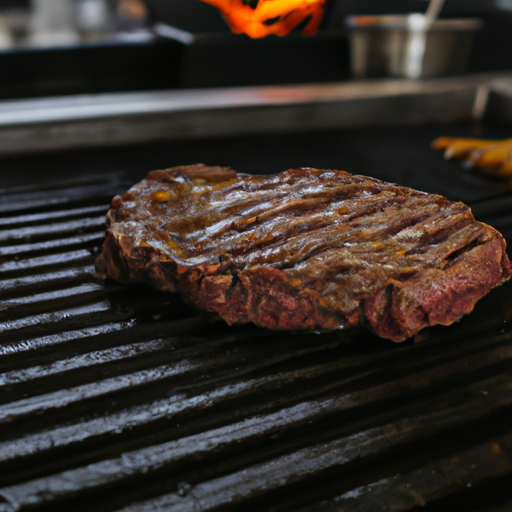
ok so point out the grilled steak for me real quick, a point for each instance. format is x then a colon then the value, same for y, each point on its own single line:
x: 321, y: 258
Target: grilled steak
x: 304, y: 249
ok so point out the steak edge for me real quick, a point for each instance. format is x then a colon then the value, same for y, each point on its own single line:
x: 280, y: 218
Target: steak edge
x: 303, y: 249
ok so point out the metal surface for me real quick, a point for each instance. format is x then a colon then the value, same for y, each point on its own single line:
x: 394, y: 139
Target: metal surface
x: 107, y: 119
x: 121, y: 398
x: 499, y: 103
x: 409, y: 46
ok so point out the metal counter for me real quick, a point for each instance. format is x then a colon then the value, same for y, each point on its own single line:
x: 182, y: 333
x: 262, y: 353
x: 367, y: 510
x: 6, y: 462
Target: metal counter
x: 127, y: 118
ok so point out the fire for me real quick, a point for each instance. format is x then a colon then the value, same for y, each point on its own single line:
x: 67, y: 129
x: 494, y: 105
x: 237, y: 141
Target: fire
x: 260, y: 18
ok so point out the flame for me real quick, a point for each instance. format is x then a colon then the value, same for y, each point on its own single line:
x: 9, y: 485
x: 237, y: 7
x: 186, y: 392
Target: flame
x: 260, y: 18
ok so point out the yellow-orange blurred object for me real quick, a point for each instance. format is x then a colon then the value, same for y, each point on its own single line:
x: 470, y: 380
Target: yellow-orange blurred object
x: 260, y: 18
x: 492, y: 155
x: 134, y: 9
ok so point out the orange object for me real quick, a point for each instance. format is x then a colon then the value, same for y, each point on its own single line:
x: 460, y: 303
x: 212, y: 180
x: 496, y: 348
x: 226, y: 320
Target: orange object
x: 494, y: 156
x: 260, y: 18
x: 133, y: 9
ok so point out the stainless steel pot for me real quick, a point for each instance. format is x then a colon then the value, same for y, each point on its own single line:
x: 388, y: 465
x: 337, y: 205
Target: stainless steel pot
x: 408, y: 46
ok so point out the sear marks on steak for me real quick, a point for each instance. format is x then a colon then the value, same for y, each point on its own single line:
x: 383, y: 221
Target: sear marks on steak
x: 304, y: 249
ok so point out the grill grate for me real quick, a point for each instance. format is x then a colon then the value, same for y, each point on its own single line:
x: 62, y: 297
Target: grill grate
x: 123, y: 398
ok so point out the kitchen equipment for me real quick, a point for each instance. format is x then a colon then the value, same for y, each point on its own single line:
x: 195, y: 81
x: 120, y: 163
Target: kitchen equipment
x: 217, y: 59
x: 409, y: 46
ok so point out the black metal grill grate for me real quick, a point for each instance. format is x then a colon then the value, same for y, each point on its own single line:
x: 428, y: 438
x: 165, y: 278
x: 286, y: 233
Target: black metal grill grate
x: 122, y: 398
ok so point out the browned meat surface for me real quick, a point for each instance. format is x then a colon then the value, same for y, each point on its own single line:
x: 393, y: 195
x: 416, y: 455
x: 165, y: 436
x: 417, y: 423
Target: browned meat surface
x: 304, y: 249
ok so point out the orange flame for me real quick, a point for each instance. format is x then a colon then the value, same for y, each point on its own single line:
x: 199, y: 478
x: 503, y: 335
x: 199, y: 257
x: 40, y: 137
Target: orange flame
x: 260, y: 18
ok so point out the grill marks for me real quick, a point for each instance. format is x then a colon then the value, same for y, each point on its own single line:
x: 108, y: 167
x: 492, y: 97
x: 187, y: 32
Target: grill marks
x: 315, y: 202
x: 351, y: 222
x: 355, y: 224
x: 120, y: 398
x: 317, y: 199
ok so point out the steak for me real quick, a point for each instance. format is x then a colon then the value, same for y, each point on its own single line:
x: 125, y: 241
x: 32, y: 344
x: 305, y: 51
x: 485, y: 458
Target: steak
x: 303, y: 249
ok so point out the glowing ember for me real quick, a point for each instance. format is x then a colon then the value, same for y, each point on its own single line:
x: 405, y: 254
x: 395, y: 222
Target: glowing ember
x: 260, y: 18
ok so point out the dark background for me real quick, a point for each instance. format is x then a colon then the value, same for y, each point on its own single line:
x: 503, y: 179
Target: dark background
x: 217, y: 58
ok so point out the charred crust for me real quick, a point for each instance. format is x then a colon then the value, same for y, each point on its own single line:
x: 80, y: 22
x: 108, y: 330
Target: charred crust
x: 212, y: 174
x: 116, y: 201
x: 304, y: 249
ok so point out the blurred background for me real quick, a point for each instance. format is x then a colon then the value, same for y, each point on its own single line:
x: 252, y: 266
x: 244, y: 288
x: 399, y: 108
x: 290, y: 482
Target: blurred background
x: 61, y: 47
